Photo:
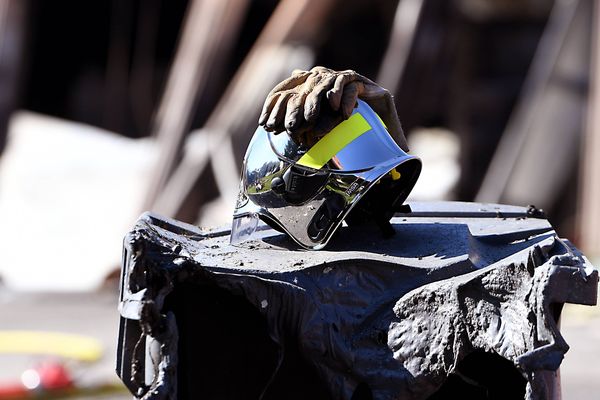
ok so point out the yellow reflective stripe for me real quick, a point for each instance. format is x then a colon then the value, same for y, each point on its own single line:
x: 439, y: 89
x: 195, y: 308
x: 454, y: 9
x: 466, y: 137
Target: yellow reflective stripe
x: 338, y: 138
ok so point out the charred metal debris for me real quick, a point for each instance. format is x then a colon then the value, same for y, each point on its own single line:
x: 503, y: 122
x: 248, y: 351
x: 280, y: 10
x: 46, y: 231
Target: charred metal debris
x: 464, y: 299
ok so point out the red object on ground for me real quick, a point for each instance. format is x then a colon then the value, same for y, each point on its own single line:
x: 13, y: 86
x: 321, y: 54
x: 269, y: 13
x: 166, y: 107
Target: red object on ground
x: 54, y: 375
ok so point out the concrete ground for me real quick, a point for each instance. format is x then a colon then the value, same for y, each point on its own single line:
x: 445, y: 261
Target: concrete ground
x: 95, y: 314
x: 89, y: 314
x: 580, y: 370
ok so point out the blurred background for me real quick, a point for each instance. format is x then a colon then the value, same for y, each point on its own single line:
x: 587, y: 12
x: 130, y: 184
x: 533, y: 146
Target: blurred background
x: 109, y: 108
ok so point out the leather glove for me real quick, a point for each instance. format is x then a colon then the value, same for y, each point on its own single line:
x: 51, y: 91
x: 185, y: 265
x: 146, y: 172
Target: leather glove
x: 310, y: 103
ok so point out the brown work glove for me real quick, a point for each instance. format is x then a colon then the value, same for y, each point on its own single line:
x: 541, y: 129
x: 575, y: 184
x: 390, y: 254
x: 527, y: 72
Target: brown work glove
x: 297, y: 104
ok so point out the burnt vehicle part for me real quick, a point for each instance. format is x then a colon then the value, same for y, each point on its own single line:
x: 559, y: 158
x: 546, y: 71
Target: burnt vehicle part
x: 464, y: 300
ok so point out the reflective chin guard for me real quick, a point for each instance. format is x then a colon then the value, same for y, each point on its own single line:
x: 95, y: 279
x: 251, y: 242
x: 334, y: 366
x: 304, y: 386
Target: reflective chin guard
x: 355, y: 171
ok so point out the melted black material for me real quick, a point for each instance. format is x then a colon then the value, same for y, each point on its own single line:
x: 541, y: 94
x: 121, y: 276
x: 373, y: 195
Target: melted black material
x: 483, y: 376
x: 222, y: 339
x: 355, y: 322
x: 225, y: 351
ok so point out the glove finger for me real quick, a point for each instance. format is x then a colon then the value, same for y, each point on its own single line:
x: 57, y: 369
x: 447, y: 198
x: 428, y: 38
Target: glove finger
x: 372, y: 91
x: 267, y: 108
x: 298, y: 78
x: 310, y: 79
x: 386, y: 109
x: 334, y: 95
x: 313, y: 100
x: 288, y: 84
x: 316, y: 77
x: 295, y: 116
x: 396, y: 132
x: 276, y: 119
x: 349, y: 97
x: 294, y: 113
